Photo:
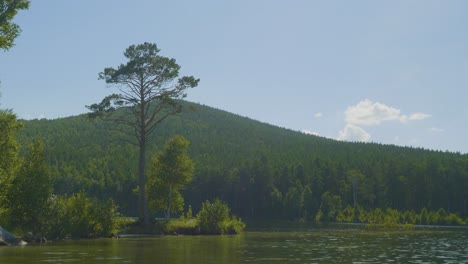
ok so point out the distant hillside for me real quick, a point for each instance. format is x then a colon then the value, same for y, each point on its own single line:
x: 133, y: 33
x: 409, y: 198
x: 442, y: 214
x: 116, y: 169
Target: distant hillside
x: 259, y: 169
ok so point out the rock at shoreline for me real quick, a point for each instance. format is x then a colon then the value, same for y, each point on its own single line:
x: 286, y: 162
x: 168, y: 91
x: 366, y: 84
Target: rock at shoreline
x: 8, y: 239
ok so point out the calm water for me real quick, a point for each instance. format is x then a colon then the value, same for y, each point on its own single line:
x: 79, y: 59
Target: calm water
x: 307, y: 245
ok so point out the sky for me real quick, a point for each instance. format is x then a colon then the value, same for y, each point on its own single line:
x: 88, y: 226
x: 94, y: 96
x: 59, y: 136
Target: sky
x: 392, y: 72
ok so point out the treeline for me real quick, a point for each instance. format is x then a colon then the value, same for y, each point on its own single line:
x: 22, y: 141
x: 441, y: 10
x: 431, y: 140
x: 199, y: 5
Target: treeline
x: 259, y: 189
x: 332, y: 210
x: 394, y: 218
x: 261, y: 171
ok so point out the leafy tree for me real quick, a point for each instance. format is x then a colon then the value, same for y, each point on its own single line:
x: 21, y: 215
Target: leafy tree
x: 8, y: 30
x: 31, y: 189
x: 9, y: 160
x: 171, y: 170
x: 294, y: 200
x: 148, y: 92
x: 329, y: 208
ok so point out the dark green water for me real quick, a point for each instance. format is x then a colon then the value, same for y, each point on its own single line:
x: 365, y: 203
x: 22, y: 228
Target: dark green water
x: 308, y: 245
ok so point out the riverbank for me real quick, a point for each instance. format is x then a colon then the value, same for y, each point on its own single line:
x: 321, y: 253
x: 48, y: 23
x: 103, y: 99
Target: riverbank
x: 292, y: 242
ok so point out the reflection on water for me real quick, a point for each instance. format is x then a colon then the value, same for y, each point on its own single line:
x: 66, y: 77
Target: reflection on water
x: 332, y: 245
x: 359, y: 246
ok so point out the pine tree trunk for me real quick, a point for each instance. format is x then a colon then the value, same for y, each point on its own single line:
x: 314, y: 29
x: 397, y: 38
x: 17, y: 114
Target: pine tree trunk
x: 142, y: 202
x: 168, y: 213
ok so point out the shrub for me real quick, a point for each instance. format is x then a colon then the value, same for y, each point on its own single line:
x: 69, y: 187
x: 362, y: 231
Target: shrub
x: 438, y: 218
x: 408, y: 217
x: 376, y: 217
x: 424, y: 217
x: 213, y: 218
x: 347, y: 215
x: 329, y: 208
x: 453, y: 219
x: 82, y: 217
x: 392, y: 218
x: 233, y: 226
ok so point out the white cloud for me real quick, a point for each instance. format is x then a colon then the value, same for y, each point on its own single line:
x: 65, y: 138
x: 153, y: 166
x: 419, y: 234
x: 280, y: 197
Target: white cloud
x: 437, y: 129
x: 28, y: 116
x: 368, y: 113
x: 308, y: 132
x: 418, y: 116
x: 354, y: 133
x: 318, y: 115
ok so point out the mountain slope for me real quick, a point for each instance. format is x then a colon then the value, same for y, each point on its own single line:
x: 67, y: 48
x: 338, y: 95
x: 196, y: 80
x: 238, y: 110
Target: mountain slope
x: 259, y: 169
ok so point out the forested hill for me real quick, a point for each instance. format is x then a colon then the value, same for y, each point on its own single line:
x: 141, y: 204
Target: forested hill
x: 259, y: 169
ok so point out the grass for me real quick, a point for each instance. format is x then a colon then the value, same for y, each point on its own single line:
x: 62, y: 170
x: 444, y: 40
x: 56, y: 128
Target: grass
x: 182, y: 226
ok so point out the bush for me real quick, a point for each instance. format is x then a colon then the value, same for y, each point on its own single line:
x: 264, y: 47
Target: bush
x: 392, y: 218
x: 233, y: 226
x: 213, y: 218
x: 424, y: 217
x: 408, y: 217
x: 453, y: 219
x: 347, y: 215
x: 439, y: 217
x: 82, y: 217
x: 329, y: 208
x: 376, y: 217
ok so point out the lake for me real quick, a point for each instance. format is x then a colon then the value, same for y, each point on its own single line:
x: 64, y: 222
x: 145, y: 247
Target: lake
x: 294, y: 244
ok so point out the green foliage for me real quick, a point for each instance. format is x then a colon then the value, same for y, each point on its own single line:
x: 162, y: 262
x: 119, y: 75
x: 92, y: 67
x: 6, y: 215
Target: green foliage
x: 329, y: 208
x: 453, y: 219
x: 234, y: 225
x: 439, y: 217
x: 81, y: 217
x: 26, y: 201
x: 375, y: 217
x: 170, y: 171
x: 213, y: 218
x: 392, y: 218
x: 408, y: 226
x: 9, y: 160
x: 8, y: 30
x: 409, y: 217
x: 30, y: 192
x: 189, y: 214
x: 183, y: 226
x: 259, y: 170
x: 347, y: 215
x: 424, y: 217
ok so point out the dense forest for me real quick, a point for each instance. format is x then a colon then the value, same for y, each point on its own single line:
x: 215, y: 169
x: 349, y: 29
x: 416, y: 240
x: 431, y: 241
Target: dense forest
x: 260, y: 170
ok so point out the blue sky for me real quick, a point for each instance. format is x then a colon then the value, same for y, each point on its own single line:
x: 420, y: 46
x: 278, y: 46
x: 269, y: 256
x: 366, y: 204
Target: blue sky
x: 394, y: 72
